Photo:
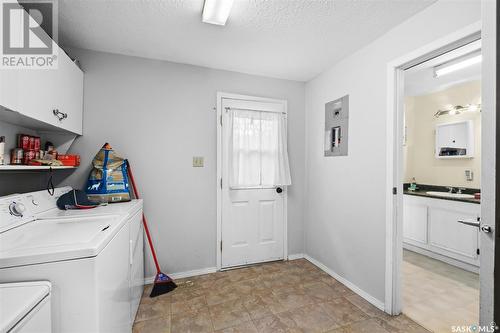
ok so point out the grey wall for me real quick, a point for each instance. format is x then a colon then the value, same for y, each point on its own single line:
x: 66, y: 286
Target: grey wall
x: 345, y: 196
x: 159, y: 115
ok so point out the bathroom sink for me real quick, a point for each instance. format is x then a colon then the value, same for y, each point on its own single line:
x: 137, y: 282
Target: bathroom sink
x: 451, y: 195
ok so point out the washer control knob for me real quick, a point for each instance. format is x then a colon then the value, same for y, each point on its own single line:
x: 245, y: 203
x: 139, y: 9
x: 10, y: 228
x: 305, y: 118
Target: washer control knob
x: 17, y: 209
x: 32, y: 199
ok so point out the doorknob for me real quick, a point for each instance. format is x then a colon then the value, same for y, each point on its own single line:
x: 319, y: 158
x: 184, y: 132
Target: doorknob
x: 279, y: 189
x: 485, y: 228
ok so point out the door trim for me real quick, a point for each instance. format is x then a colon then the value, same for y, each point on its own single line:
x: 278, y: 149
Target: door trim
x: 221, y: 95
x: 394, y: 161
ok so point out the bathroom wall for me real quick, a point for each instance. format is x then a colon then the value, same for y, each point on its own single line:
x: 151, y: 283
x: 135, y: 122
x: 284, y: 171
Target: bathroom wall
x: 421, y: 162
x: 159, y: 115
x: 346, y: 196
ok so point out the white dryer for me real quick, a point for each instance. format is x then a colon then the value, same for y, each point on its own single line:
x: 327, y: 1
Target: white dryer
x: 93, y: 258
x: 25, y: 307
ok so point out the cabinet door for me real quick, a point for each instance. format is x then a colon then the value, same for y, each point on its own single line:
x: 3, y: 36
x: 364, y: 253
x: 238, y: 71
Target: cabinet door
x: 70, y: 93
x: 45, y: 90
x: 459, y: 136
x: 414, y: 221
x: 446, y: 234
x: 443, y: 134
x: 38, y: 94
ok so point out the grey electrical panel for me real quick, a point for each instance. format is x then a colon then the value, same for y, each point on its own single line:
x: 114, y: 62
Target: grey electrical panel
x: 337, y: 127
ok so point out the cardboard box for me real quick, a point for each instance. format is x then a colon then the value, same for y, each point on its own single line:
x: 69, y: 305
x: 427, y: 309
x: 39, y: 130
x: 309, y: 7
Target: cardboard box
x: 69, y: 160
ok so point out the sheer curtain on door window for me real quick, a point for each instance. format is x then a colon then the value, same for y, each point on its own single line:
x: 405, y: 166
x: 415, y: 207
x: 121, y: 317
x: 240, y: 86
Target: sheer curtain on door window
x: 258, y: 154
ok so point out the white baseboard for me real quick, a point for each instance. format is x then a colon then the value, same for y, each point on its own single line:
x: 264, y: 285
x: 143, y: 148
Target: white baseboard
x: 375, y: 302
x: 182, y: 275
x: 295, y: 256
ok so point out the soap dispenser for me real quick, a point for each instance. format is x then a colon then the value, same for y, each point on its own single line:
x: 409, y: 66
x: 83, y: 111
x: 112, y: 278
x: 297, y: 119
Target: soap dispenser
x: 413, y: 185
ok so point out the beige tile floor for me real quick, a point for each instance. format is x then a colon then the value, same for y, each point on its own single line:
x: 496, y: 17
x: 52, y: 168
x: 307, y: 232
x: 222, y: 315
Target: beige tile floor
x: 292, y: 296
x: 438, y: 295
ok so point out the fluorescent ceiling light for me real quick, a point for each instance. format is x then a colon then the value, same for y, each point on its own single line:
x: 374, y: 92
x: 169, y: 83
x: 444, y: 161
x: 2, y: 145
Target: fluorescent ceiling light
x: 457, y: 64
x: 216, y: 11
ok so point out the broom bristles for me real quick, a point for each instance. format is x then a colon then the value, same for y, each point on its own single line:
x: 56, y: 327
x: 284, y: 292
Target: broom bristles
x: 162, y: 285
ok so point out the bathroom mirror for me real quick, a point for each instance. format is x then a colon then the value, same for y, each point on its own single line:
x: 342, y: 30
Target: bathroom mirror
x: 455, y: 140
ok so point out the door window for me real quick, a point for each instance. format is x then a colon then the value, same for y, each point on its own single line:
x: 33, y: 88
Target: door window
x: 257, y: 149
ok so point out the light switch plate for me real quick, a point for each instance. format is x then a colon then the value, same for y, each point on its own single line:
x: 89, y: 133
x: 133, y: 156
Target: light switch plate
x: 198, y: 161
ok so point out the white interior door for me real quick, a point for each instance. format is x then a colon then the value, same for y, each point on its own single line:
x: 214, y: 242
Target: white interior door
x: 253, y: 217
x: 488, y: 273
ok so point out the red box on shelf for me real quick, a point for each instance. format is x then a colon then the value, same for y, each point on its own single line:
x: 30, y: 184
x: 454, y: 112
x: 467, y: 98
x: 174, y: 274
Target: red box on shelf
x: 23, y: 141
x: 69, y: 160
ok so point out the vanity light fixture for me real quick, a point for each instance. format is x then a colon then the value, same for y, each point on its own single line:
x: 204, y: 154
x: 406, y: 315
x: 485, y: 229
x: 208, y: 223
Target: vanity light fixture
x: 459, y: 63
x: 458, y: 109
x: 216, y: 11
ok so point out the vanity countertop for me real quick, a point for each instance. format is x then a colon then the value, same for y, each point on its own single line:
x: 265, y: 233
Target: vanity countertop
x: 423, y: 189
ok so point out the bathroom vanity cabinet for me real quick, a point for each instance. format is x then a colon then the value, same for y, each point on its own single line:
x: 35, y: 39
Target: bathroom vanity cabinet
x: 430, y: 227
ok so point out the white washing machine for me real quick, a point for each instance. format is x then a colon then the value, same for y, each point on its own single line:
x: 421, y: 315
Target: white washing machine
x: 93, y: 258
x: 25, y: 307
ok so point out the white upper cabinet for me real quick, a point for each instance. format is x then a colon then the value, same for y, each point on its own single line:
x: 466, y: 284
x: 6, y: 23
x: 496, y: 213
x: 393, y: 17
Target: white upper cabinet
x: 52, y: 96
x: 44, y: 98
x: 455, y: 140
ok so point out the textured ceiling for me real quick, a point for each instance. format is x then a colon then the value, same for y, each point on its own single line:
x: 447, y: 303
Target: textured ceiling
x: 291, y: 39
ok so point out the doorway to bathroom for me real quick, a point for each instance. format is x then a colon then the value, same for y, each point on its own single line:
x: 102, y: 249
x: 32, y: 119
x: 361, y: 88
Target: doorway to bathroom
x: 442, y: 189
x: 439, y: 254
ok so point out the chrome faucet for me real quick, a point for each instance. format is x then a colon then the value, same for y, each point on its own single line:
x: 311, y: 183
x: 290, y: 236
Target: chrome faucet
x: 450, y: 189
x: 460, y: 189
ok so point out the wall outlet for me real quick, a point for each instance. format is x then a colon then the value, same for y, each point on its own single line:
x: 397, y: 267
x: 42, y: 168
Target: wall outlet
x: 198, y: 161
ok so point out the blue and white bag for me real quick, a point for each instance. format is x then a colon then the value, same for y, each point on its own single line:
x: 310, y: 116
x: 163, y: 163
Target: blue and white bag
x: 108, y: 180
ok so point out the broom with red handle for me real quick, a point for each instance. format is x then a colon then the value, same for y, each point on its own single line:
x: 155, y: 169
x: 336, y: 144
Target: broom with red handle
x: 163, y: 283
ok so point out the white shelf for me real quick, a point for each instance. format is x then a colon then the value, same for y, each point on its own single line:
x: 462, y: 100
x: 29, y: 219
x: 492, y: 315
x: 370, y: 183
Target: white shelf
x: 33, y: 167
